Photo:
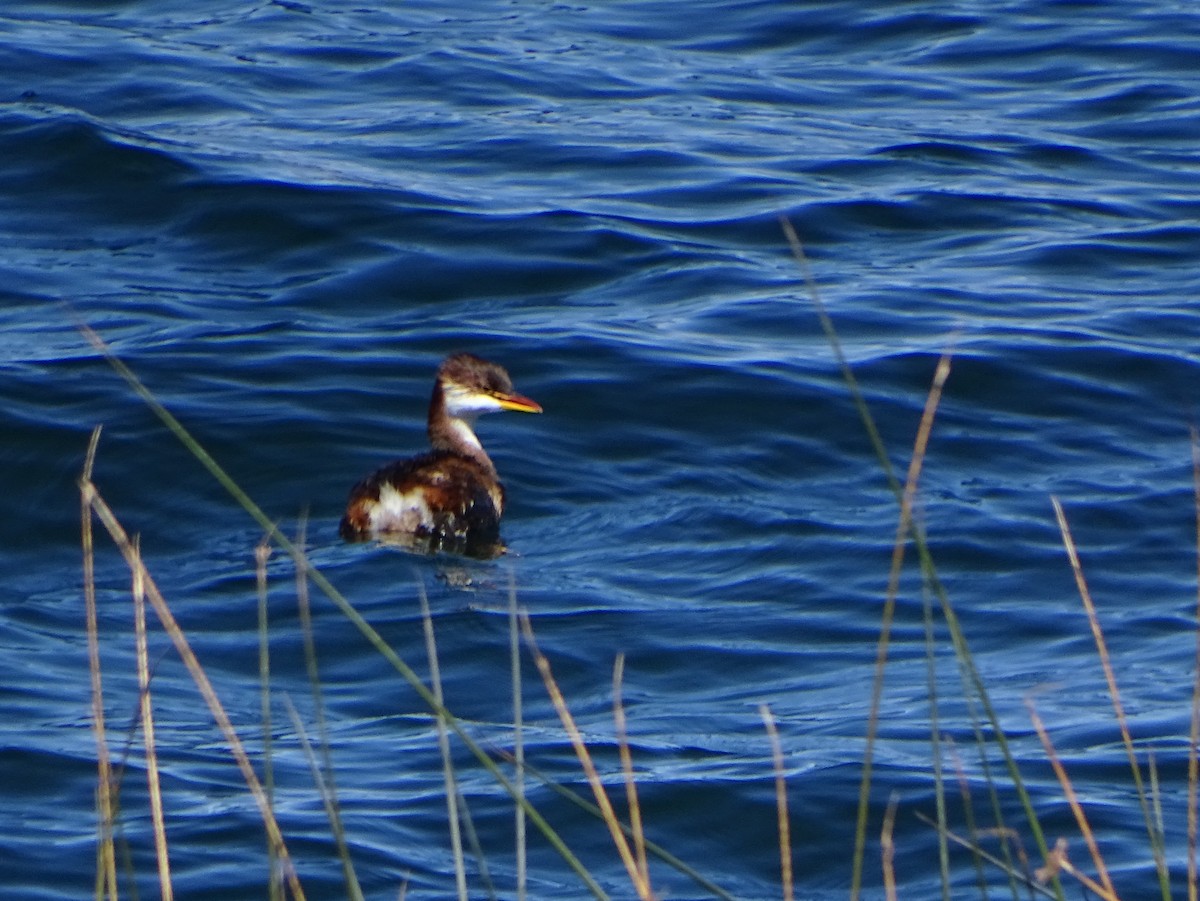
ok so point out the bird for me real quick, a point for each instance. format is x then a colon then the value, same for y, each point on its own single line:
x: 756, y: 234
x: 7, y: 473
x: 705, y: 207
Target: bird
x: 449, y: 499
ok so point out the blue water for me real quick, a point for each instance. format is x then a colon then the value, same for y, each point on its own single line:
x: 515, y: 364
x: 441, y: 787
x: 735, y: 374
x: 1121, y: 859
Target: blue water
x: 283, y: 215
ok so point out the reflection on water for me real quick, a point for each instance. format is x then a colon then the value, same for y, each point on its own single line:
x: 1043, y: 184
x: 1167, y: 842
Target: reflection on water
x: 441, y: 543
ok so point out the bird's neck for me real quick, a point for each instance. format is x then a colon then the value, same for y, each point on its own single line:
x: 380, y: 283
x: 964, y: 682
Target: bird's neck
x: 455, y: 433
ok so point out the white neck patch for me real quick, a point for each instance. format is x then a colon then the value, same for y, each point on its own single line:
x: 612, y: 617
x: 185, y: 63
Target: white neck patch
x: 461, y: 427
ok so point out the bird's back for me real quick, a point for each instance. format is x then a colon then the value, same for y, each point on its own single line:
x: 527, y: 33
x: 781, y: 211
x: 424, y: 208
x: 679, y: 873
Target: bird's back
x: 439, y: 501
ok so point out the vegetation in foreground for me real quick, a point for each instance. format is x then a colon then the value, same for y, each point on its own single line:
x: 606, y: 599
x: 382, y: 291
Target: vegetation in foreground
x: 995, y: 843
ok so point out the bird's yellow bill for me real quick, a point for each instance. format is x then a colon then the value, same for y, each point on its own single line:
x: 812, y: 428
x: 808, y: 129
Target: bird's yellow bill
x: 518, y: 403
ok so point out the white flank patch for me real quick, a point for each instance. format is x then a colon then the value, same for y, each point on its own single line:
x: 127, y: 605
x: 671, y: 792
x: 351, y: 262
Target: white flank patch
x: 400, y: 511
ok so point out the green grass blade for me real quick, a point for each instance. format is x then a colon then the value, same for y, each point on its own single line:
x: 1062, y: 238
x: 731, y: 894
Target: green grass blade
x: 322, y: 582
x: 929, y: 573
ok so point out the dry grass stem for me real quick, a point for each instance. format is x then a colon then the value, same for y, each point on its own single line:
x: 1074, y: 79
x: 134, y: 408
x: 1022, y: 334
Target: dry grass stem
x: 1064, y: 782
x: 328, y: 799
x: 514, y: 651
x: 1007, y: 836
x: 1054, y: 862
x: 783, y: 821
x: 443, y: 740
x: 935, y: 745
x: 329, y: 793
x: 1057, y: 862
x: 651, y: 847
x: 147, y: 716
x: 1155, y: 835
x: 472, y: 837
x: 908, y: 498
x: 262, y: 553
x: 585, y: 760
x: 1155, y: 793
x: 106, y: 873
x: 306, y: 747
x: 635, y: 809
x: 887, y: 847
x: 344, y: 606
x: 973, y: 681
x: 964, y: 792
x: 179, y: 640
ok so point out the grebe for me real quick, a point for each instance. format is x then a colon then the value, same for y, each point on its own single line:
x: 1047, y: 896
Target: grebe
x: 449, y: 499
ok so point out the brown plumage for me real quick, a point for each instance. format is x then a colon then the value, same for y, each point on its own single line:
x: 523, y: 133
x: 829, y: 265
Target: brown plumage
x: 450, y: 498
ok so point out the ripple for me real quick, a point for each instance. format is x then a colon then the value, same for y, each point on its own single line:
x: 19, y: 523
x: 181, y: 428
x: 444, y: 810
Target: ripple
x: 283, y: 216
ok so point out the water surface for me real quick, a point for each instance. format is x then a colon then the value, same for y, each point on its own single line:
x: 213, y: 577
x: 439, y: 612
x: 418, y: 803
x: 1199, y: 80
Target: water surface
x: 283, y: 215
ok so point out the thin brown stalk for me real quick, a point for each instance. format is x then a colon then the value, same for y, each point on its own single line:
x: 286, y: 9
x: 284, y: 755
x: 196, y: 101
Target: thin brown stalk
x: 152, y: 780
x: 783, y: 821
x: 888, y: 847
x: 319, y: 779
x: 635, y: 809
x: 1085, y: 595
x: 117, y: 532
x: 1155, y: 793
x: 261, y: 554
x: 106, y: 872
x: 329, y: 792
x: 471, y: 834
x: 964, y: 791
x: 935, y: 746
x: 1057, y: 861
x: 514, y: 651
x: 908, y: 498
x: 1001, y: 830
x: 443, y: 740
x: 585, y: 760
x: 995, y: 861
x: 1064, y: 782
x: 339, y: 600
x: 651, y: 847
x: 315, y: 768
x: 971, y: 676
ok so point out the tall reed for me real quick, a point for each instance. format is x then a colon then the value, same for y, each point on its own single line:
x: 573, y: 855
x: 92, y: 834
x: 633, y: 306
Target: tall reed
x: 633, y: 847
